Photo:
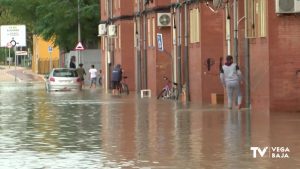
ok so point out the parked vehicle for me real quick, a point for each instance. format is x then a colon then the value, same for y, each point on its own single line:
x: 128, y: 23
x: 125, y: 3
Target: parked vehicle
x: 62, y: 79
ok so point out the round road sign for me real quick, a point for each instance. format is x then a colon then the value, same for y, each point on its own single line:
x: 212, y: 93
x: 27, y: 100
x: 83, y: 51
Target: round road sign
x: 9, y: 45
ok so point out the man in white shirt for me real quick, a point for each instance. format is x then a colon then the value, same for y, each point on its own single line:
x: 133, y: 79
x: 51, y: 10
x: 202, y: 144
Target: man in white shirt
x: 231, y: 78
x: 93, y: 76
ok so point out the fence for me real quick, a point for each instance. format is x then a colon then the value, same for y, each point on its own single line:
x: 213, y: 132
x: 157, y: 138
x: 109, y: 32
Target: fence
x: 44, y: 66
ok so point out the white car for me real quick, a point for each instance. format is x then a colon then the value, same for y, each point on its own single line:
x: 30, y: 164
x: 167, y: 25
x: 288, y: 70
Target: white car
x: 62, y: 79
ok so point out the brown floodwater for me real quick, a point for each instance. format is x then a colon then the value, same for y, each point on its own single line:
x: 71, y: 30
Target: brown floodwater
x: 92, y: 129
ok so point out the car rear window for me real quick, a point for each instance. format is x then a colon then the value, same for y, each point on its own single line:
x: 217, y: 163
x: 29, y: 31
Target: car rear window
x: 65, y: 73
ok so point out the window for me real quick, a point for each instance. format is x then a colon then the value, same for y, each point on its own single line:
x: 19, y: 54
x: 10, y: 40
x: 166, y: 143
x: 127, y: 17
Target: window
x: 119, y: 35
x: 64, y: 73
x: 256, y: 18
x: 194, y: 26
x: 153, y: 31
x: 105, y: 6
x: 117, y: 4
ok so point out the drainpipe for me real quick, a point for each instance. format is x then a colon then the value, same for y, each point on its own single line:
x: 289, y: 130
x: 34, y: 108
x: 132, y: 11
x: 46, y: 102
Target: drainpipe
x: 145, y: 48
x: 178, y: 60
x: 138, y: 48
x: 228, y: 34
x: 186, y: 54
x: 235, y: 29
x: 247, y: 63
x: 108, y: 59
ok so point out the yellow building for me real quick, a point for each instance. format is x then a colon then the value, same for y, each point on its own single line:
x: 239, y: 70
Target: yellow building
x: 41, y: 56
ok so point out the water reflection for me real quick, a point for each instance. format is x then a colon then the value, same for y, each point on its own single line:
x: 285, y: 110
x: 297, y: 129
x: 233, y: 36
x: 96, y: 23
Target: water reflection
x: 91, y: 129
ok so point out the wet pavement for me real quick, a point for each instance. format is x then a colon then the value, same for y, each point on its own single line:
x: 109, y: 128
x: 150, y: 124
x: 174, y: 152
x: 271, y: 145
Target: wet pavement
x: 92, y: 129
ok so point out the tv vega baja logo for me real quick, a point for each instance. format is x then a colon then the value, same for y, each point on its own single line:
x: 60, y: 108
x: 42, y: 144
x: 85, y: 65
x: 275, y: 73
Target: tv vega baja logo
x: 270, y: 152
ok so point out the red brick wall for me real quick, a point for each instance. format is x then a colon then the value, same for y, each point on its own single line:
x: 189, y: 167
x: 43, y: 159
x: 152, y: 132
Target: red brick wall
x: 160, y: 3
x: 164, y: 59
x: 125, y: 54
x: 159, y: 63
x: 202, y: 81
x: 284, y: 34
x: 103, y: 11
x: 259, y: 74
x: 274, y: 62
x: 129, y: 4
x: 212, y: 29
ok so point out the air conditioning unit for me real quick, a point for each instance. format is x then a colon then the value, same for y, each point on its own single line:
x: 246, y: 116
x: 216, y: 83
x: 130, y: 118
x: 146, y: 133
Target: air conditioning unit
x: 164, y: 19
x: 101, y: 29
x: 112, y: 30
x: 287, y: 6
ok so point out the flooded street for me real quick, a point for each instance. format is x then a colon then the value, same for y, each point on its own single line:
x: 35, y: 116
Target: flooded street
x: 91, y: 129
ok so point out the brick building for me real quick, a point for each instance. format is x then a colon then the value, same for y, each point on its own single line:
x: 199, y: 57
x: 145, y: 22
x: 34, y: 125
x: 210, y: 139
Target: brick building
x: 263, y: 42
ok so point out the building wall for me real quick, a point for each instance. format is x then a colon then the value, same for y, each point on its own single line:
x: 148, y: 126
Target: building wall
x: 163, y: 65
x: 121, y: 47
x: 274, y: 62
x: 204, y: 82
x: 260, y: 74
x: 274, y: 59
x: 212, y: 28
x: 284, y: 52
x: 40, y: 53
x: 126, y: 52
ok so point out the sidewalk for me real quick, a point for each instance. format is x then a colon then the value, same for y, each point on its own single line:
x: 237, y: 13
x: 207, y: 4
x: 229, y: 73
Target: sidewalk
x: 22, y: 74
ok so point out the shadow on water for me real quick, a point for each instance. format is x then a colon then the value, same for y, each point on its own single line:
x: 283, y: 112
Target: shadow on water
x: 91, y: 129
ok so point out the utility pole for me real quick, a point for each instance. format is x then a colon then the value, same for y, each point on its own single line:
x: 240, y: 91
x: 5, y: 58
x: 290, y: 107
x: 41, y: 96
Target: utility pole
x: 79, y: 32
x: 108, y: 56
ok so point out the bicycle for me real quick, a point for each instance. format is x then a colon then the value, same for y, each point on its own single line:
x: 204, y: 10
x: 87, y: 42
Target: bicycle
x: 169, y: 91
x: 123, y: 88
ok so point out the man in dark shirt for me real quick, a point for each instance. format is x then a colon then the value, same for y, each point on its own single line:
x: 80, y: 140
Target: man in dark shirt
x: 72, y: 62
x: 116, y: 77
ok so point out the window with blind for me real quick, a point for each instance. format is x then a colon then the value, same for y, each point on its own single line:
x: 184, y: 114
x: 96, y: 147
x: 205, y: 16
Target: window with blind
x: 119, y: 36
x: 149, y: 35
x: 153, y: 31
x: 194, y: 26
x: 256, y: 11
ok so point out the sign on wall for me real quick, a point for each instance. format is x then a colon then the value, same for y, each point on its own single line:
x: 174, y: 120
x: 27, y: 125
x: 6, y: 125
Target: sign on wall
x: 160, y: 42
x: 13, y: 32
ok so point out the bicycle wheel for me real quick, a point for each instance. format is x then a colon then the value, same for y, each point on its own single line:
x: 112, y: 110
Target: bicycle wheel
x: 125, y: 89
x: 175, y: 93
x: 161, y: 94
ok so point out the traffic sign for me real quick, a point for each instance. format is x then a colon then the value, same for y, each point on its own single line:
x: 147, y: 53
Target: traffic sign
x: 50, y: 49
x: 20, y: 53
x: 79, y: 46
x: 9, y: 45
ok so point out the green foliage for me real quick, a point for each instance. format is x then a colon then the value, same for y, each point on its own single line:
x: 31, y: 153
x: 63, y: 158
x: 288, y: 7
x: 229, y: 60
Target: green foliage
x: 55, y: 19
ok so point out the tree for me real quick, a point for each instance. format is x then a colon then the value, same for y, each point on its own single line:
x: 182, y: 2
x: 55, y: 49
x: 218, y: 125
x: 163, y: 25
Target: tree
x: 57, y: 20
